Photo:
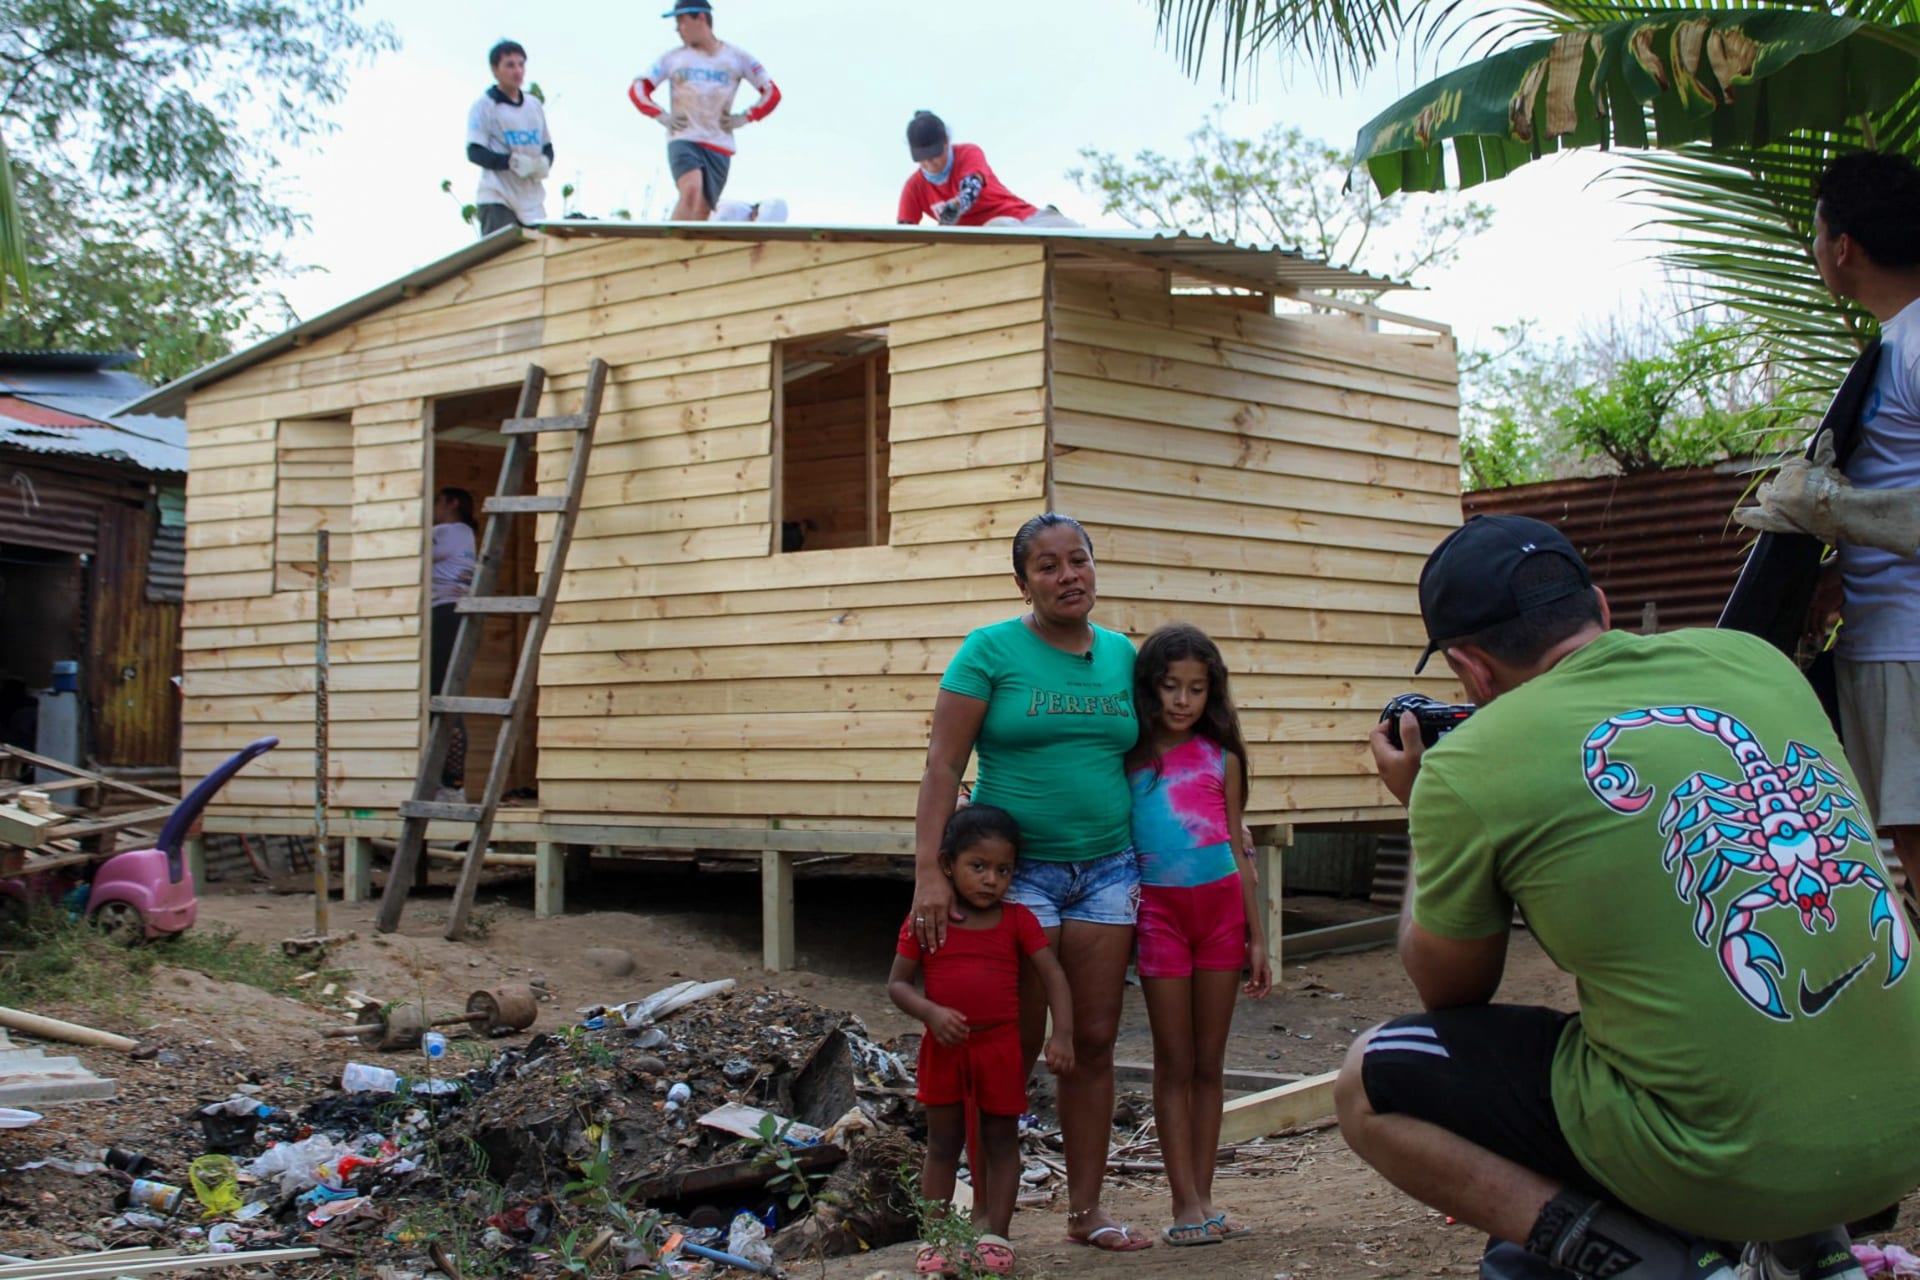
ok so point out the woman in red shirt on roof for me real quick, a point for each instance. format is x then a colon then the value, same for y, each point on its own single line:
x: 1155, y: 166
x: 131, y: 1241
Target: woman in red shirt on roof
x: 956, y: 187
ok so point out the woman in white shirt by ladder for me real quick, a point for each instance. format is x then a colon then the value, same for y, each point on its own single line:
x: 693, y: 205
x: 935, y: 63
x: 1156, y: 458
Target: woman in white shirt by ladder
x: 453, y: 562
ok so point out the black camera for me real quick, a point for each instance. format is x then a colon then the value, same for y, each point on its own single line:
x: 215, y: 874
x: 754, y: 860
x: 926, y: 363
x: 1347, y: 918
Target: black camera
x: 1437, y: 719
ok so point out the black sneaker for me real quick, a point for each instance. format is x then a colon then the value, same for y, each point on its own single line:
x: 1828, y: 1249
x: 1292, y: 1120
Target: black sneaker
x: 1832, y: 1259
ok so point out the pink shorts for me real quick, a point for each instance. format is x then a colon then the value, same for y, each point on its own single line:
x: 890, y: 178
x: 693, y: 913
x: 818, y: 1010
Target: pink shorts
x: 1183, y: 929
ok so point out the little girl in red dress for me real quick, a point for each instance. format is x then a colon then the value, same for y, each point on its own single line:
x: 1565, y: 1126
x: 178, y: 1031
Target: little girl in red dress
x: 970, y: 1054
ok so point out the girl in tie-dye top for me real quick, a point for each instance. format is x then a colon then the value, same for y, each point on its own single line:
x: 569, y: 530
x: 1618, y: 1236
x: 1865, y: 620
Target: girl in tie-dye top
x: 1198, y: 927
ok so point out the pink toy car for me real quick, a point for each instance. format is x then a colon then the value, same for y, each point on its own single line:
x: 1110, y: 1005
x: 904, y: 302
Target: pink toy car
x: 148, y: 893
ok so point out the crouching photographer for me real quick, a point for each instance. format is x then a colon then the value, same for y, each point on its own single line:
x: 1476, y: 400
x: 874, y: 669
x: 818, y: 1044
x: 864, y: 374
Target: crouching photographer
x: 1676, y: 821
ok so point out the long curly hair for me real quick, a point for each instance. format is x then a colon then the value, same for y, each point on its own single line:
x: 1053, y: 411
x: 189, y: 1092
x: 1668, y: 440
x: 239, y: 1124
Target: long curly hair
x: 1220, y: 723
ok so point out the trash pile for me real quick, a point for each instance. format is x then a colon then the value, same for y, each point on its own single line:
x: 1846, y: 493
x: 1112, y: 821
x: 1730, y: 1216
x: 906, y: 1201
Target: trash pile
x: 699, y: 1129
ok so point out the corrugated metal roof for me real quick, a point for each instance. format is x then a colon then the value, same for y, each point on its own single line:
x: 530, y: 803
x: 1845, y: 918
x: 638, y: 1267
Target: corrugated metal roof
x: 1660, y: 538
x: 39, y: 415
x: 107, y: 442
x: 1193, y: 261
x: 67, y: 402
x: 66, y: 359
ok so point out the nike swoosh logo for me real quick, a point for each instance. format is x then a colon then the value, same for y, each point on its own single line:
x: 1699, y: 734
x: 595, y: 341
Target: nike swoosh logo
x: 1812, y: 1002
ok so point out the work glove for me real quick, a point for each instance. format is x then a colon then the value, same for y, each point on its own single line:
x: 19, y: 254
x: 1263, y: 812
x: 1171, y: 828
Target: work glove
x: 528, y: 164
x: 734, y: 120
x: 674, y: 121
x: 948, y: 212
x: 1811, y: 495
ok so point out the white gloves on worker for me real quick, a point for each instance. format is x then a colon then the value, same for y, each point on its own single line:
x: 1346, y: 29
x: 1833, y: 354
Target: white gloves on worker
x: 529, y: 164
x: 1812, y: 496
x: 734, y: 120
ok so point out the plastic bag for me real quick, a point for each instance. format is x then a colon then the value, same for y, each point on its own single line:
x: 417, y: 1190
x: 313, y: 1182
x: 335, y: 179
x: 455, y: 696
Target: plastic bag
x: 216, y: 1185
x: 300, y: 1165
x: 747, y: 1238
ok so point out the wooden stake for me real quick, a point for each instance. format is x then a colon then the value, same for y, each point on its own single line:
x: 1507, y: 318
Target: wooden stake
x: 320, y: 856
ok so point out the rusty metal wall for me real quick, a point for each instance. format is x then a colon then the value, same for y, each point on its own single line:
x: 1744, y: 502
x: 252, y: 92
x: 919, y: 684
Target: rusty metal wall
x: 133, y: 648
x: 1662, y: 538
x: 46, y: 508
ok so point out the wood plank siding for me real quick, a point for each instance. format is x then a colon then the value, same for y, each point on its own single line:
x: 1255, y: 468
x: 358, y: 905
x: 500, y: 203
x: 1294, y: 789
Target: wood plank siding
x: 1277, y: 481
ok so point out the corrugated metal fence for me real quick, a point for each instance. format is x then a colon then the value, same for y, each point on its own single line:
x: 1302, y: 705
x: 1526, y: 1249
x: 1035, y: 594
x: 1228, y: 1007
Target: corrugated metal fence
x: 1664, y: 538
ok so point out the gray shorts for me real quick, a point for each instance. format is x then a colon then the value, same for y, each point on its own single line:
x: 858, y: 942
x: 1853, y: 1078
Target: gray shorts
x: 686, y: 157
x: 494, y: 217
x: 1880, y: 720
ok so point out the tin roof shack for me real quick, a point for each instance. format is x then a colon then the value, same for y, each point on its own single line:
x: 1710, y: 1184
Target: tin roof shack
x: 92, y: 553
x: 814, y: 448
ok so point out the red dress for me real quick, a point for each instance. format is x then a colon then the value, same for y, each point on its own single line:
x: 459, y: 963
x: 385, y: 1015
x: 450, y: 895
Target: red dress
x: 977, y: 972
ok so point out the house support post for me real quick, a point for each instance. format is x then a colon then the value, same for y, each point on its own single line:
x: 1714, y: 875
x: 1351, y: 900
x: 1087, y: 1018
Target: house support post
x: 356, y: 870
x: 776, y: 910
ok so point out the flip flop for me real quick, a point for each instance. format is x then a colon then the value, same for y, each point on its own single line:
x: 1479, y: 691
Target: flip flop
x: 1185, y: 1235
x: 993, y: 1255
x: 1220, y: 1229
x: 931, y: 1262
x: 1127, y: 1243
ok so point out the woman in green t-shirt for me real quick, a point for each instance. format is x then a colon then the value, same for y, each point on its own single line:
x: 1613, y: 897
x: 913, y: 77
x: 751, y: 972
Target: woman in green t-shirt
x: 1046, y: 700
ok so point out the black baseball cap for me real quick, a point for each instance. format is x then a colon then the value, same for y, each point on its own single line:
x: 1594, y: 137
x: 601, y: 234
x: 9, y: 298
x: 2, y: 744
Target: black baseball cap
x: 1467, y: 584
x: 689, y: 6
x: 926, y: 135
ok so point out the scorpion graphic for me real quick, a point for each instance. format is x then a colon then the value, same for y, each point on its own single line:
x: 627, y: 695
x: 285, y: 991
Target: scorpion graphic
x: 1766, y: 824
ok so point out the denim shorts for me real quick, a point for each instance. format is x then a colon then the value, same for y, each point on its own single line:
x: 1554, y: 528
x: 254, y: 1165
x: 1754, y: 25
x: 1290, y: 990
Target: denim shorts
x: 1098, y: 890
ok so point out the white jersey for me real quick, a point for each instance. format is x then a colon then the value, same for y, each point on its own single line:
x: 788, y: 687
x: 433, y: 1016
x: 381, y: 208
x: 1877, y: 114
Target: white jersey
x: 1882, y: 609
x: 508, y: 128
x: 703, y: 89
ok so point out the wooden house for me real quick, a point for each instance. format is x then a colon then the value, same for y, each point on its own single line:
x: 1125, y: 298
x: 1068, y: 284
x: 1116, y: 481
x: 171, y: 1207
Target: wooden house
x: 814, y: 448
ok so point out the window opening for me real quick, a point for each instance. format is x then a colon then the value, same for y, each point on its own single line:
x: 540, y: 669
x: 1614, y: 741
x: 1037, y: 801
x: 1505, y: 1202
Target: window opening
x: 830, y: 442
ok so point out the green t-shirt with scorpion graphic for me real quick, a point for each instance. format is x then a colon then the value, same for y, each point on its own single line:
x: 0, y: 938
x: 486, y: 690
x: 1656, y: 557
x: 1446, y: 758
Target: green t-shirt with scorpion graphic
x: 1675, y: 820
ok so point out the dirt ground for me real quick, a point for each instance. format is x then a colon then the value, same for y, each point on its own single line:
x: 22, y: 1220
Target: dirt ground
x: 1318, y: 1211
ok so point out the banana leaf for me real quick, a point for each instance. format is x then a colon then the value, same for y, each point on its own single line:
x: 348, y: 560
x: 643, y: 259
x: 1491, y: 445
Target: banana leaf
x: 1727, y: 79
x: 13, y: 240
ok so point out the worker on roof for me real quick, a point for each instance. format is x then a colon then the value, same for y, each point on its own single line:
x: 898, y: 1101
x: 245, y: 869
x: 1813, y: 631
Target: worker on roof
x: 956, y: 187
x: 700, y: 120
x: 507, y: 138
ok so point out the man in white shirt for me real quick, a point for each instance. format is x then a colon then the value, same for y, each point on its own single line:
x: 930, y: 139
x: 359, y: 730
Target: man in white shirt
x: 507, y: 138
x: 1867, y: 245
x: 700, y: 120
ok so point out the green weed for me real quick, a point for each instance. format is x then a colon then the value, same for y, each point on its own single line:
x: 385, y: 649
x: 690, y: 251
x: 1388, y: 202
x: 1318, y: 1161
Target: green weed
x: 48, y: 959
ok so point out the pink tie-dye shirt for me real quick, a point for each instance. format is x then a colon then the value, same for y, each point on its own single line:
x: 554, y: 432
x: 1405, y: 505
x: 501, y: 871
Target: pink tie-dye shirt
x: 1180, y: 816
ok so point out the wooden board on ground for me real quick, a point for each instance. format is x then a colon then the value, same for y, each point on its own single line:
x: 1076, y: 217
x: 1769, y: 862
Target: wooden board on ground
x: 1290, y: 1106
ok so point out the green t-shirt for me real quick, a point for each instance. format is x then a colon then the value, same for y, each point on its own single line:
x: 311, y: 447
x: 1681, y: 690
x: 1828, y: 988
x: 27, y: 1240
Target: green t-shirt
x: 1705, y: 1083
x: 1058, y: 728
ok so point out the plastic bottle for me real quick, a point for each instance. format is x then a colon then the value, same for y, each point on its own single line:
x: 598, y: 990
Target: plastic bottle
x: 158, y: 1196
x: 359, y: 1077
x: 679, y: 1096
x: 433, y: 1044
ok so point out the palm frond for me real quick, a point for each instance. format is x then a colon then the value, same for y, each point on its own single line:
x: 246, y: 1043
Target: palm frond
x: 1344, y: 38
x: 1737, y: 80
x: 13, y: 239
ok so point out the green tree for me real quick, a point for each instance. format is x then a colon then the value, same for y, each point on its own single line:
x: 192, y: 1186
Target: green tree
x: 146, y: 137
x: 1744, y: 105
x: 1632, y: 397
x: 1280, y: 188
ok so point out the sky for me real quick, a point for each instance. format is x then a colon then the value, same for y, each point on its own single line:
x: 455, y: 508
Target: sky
x: 1032, y: 83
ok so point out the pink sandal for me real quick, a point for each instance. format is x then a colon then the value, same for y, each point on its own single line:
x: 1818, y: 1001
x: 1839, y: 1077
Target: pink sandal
x: 993, y: 1255
x: 931, y: 1262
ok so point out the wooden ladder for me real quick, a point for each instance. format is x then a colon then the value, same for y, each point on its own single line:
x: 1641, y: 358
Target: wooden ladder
x: 451, y: 700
